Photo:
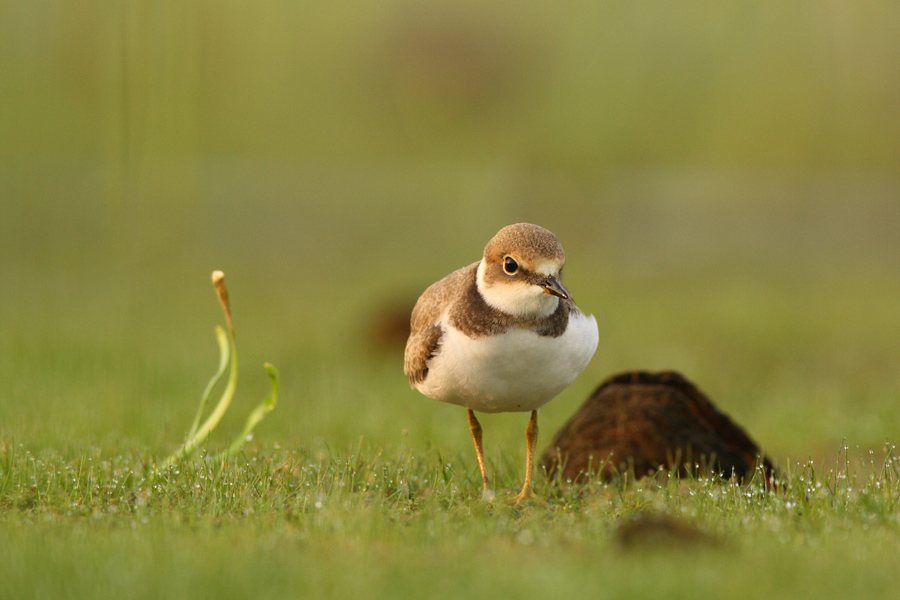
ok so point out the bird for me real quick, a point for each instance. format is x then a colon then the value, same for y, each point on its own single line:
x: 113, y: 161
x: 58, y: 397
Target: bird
x: 502, y: 334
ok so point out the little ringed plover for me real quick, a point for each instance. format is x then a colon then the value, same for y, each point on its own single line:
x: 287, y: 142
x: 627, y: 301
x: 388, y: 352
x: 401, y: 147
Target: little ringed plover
x: 501, y: 335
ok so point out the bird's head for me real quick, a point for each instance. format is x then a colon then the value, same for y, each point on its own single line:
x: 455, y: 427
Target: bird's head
x: 521, y: 270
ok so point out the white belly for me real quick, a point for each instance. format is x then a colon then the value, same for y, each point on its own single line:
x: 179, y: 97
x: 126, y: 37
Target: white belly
x: 516, y: 371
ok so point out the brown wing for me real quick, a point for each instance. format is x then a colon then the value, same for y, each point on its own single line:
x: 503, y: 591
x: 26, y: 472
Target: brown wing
x: 425, y: 324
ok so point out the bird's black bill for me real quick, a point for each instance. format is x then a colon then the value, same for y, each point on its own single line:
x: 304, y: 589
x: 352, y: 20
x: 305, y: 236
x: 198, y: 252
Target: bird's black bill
x: 553, y: 286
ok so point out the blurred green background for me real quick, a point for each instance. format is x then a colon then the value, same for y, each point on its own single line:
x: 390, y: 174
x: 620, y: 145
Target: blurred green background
x: 724, y: 178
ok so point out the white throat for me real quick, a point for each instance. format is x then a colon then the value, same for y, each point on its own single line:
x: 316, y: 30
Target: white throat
x: 516, y: 298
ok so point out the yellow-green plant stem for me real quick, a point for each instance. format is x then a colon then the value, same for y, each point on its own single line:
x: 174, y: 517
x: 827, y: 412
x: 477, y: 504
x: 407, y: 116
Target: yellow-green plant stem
x: 224, y: 353
x: 228, y: 353
x: 264, y: 408
x: 224, y: 402
x: 198, y: 434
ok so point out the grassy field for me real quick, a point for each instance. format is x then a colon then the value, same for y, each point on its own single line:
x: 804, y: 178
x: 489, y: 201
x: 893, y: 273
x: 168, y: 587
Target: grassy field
x: 723, y: 178
x: 408, y: 522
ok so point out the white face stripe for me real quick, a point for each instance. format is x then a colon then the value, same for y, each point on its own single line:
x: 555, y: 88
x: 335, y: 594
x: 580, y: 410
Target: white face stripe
x: 547, y: 267
x: 515, y: 297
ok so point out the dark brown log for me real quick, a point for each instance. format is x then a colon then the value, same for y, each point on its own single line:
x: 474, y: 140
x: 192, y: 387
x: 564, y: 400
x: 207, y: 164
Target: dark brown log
x: 639, y: 422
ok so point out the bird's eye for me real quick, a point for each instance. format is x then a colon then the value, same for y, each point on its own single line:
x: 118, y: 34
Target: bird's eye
x: 510, y: 265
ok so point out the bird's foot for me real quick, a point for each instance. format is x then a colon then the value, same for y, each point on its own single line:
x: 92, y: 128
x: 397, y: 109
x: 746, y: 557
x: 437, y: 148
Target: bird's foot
x: 527, y: 495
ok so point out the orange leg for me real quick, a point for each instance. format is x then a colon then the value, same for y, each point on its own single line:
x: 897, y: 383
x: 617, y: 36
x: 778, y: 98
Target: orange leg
x: 531, y: 435
x: 475, y: 429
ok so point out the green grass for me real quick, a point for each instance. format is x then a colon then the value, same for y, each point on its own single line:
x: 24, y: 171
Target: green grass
x: 106, y: 348
x: 398, y: 523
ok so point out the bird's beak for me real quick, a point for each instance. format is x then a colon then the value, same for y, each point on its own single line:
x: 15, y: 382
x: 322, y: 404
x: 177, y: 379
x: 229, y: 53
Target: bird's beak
x: 553, y: 287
